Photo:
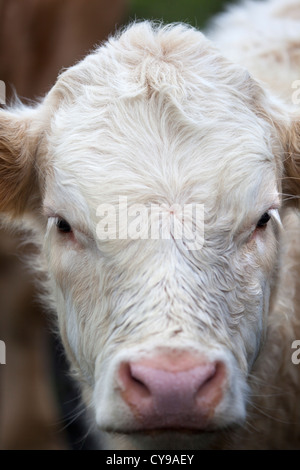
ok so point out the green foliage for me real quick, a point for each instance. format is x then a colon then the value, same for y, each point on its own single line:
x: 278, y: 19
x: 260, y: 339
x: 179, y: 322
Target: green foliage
x: 194, y: 12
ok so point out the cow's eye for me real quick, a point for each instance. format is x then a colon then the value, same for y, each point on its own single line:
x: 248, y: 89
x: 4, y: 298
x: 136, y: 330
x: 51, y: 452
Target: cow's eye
x: 63, y: 226
x: 263, y: 220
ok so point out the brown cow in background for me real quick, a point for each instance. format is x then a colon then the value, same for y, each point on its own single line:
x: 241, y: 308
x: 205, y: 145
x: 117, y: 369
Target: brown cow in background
x: 37, y: 39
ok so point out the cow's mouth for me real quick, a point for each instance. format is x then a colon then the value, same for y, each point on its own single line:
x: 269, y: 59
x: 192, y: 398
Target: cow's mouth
x: 169, y: 430
x: 160, y: 431
x: 173, y: 438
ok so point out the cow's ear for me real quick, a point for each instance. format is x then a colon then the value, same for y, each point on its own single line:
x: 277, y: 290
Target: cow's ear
x: 291, y: 178
x: 284, y: 124
x: 19, y: 192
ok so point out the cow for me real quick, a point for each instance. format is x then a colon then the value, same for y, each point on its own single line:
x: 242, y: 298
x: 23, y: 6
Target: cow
x: 163, y: 180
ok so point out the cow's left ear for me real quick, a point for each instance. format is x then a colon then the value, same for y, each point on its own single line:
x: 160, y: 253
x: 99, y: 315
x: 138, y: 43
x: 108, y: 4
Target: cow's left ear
x: 284, y: 125
x: 291, y: 177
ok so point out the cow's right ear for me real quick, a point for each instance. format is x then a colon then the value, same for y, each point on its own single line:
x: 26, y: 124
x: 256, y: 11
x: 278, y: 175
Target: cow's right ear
x: 19, y: 190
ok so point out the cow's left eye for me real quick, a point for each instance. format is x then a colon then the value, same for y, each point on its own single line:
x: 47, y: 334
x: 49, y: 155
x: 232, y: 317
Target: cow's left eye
x: 63, y: 226
x: 263, y: 220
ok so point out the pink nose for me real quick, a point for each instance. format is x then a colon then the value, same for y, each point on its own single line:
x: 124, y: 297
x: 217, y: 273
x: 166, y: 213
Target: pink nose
x: 172, y: 392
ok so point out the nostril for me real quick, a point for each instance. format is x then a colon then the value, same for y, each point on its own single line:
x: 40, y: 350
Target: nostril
x: 137, y: 383
x: 211, y: 388
x: 132, y: 382
x: 209, y: 377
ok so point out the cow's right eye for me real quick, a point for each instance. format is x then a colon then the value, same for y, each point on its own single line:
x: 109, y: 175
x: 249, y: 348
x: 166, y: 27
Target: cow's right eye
x: 63, y: 226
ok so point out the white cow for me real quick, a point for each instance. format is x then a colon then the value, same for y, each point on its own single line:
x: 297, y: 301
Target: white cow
x: 176, y: 344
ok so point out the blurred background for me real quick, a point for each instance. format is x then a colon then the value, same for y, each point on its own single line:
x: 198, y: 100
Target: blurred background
x: 40, y: 406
